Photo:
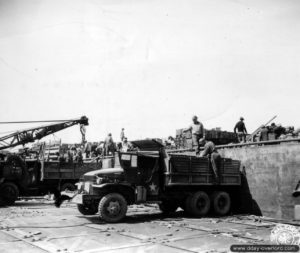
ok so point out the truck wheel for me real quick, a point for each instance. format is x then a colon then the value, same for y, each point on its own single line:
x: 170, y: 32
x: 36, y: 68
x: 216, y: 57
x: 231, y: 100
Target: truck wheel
x: 87, y: 210
x: 221, y: 202
x: 199, y: 204
x: 168, y: 207
x: 68, y: 186
x: 112, y: 207
x: 9, y: 193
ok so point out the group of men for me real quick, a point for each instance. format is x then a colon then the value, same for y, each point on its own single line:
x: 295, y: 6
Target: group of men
x: 104, y: 148
x: 110, y: 147
x: 209, y: 149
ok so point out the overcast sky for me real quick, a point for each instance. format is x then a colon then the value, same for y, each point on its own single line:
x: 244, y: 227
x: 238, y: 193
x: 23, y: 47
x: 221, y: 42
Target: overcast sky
x: 149, y: 66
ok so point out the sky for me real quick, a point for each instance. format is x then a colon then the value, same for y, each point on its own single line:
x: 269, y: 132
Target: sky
x: 149, y: 66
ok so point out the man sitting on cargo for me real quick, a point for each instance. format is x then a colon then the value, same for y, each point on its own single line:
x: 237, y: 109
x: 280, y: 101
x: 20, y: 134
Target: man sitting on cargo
x: 211, y: 152
x: 197, y: 131
x: 126, y: 146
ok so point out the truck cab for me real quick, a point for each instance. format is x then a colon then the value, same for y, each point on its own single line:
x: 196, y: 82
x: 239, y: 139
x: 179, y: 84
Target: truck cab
x: 150, y: 175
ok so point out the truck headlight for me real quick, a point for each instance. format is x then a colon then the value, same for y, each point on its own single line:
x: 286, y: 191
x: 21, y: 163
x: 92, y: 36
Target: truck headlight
x: 79, y: 185
x: 87, y: 187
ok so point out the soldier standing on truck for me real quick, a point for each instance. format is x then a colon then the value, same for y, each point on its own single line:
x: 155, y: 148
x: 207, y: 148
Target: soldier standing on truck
x: 122, y: 135
x: 211, y: 152
x: 241, y: 130
x: 109, y: 145
x: 87, y: 149
x: 83, y: 132
x: 197, y: 132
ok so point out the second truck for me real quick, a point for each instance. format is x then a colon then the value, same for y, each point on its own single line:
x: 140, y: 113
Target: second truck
x: 21, y: 176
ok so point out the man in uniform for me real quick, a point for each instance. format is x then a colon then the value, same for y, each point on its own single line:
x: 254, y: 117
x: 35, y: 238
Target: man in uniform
x: 264, y: 133
x: 197, y: 132
x: 126, y: 146
x: 241, y: 130
x: 109, y: 145
x: 211, y: 152
x: 87, y: 149
x: 83, y: 132
x: 122, y: 134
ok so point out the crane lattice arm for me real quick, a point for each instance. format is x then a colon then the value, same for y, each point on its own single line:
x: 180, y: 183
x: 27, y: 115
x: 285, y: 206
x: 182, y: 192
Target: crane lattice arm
x: 37, y: 133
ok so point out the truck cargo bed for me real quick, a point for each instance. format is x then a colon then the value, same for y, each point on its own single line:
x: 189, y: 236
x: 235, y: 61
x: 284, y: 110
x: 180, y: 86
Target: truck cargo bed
x: 192, y: 170
x: 56, y: 170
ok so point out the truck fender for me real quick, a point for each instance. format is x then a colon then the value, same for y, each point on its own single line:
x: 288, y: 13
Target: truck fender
x: 124, y: 189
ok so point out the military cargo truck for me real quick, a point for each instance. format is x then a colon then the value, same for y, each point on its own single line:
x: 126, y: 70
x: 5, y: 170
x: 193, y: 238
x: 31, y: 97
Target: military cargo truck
x: 149, y: 174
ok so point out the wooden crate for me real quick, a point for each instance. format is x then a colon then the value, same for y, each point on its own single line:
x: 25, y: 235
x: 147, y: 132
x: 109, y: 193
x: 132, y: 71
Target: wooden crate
x: 189, y: 143
x: 187, y: 135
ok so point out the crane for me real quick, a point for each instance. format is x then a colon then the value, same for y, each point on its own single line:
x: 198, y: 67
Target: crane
x: 16, y: 174
x: 32, y: 134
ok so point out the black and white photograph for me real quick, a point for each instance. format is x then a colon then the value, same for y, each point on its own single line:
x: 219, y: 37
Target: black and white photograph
x: 132, y: 126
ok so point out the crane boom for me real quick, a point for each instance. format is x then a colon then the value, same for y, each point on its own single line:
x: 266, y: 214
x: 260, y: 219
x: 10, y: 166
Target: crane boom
x: 31, y: 134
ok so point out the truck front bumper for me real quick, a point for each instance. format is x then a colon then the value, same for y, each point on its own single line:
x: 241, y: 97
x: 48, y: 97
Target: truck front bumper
x: 85, y: 199
x: 78, y: 199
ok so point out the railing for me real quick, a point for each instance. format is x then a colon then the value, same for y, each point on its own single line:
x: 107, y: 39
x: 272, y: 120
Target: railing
x: 237, y: 145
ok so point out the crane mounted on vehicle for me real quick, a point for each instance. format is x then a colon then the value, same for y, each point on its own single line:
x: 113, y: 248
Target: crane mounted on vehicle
x: 15, y: 171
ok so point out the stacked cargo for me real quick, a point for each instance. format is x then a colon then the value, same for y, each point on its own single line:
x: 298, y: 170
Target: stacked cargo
x: 184, y: 139
x: 52, y: 150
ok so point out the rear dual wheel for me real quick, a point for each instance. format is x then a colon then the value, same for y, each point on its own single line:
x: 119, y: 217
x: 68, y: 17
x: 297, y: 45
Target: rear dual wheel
x: 221, y: 202
x: 199, y: 203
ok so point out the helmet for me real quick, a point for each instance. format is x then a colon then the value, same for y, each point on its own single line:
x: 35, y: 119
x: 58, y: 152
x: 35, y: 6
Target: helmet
x: 195, y: 117
x: 202, y: 140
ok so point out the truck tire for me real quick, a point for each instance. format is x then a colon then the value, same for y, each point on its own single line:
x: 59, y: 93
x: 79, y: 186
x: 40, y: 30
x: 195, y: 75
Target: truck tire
x: 9, y: 193
x: 68, y: 187
x: 221, y: 202
x: 112, y: 207
x: 168, y: 207
x: 199, y: 204
x: 87, y: 210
